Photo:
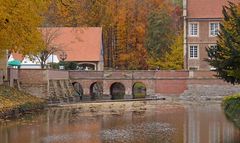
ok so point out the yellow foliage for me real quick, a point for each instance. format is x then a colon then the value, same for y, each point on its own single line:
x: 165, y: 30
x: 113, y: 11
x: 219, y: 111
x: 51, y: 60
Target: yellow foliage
x: 19, y: 20
x: 11, y: 98
x: 173, y: 60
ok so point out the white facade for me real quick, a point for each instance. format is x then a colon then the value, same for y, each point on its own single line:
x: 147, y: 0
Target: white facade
x: 33, y: 63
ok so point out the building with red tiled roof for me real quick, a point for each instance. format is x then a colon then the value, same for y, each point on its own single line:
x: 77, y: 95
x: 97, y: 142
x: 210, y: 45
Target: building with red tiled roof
x: 201, y: 26
x: 81, y: 45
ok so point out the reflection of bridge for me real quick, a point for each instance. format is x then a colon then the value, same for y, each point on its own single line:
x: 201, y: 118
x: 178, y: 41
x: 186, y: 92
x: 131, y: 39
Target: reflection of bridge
x: 106, y: 83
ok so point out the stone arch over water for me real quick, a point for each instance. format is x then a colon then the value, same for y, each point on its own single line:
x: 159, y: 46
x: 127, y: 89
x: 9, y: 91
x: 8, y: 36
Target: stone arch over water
x: 78, y: 88
x: 117, y: 90
x: 96, y: 90
x: 139, y: 90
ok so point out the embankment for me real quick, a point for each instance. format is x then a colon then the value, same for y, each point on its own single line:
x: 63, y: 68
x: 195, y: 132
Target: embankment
x: 14, y: 103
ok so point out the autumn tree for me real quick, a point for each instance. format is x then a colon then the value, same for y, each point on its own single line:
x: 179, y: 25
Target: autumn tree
x: 124, y: 24
x: 173, y: 59
x: 19, y: 20
x: 159, y: 35
x: 226, y: 56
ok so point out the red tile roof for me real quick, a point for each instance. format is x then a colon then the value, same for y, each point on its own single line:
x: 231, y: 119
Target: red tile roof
x: 80, y: 44
x: 206, y: 8
x: 17, y: 56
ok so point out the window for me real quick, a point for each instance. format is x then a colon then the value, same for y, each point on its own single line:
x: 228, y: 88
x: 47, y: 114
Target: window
x: 214, y: 29
x: 193, y: 29
x: 193, y: 51
x: 213, y: 49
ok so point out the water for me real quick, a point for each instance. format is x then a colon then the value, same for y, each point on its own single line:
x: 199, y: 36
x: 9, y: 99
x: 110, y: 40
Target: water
x: 147, y: 122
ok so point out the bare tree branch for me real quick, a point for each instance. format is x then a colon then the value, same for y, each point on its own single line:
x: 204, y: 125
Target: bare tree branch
x: 50, y: 47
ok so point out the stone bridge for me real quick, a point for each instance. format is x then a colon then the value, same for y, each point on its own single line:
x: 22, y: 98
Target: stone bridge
x: 104, y: 84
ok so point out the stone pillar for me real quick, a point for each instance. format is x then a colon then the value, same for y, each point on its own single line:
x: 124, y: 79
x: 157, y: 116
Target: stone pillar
x: 185, y: 30
x: 3, y: 63
x: 1, y: 75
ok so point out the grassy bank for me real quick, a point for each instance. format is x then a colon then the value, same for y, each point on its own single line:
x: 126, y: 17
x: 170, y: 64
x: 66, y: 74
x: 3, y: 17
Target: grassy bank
x: 231, y: 105
x: 14, y: 102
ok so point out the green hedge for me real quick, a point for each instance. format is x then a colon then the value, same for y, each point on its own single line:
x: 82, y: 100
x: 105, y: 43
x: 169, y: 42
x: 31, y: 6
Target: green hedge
x: 231, y: 105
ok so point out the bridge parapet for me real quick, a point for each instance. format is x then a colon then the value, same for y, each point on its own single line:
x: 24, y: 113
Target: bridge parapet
x: 58, y: 74
x: 137, y: 75
x: 126, y: 75
x: 171, y: 74
x: 202, y: 74
x: 85, y: 74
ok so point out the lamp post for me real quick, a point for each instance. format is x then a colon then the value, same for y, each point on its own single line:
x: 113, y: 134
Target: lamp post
x: 63, y: 57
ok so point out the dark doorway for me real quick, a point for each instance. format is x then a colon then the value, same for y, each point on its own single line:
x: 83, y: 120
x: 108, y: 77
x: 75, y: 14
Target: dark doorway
x: 96, y: 90
x: 117, y: 90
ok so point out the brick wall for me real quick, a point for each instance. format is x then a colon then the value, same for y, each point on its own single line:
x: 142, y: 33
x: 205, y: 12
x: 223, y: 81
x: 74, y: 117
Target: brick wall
x: 202, y: 74
x: 12, y: 75
x: 85, y: 74
x: 58, y: 74
x: 34, y: 81
x: 171, y: 74
x: 143, y: 74
x: 169, y: 87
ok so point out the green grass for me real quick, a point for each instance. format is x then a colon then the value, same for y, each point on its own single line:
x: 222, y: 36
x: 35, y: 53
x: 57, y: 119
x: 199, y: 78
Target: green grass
x: 11, y: 98
x: 231, y: 105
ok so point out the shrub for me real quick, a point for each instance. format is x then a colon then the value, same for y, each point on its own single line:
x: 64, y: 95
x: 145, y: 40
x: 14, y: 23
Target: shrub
x: 231, y: 105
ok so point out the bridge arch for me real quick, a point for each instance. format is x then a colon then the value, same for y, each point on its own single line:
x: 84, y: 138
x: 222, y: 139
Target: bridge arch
x: 139, y: 90
x: 78, y: 88
x: 117, y: 90
x: 96, y: 90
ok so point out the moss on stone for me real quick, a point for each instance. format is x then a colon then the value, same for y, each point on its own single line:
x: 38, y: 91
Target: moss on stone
x: 231, y: 105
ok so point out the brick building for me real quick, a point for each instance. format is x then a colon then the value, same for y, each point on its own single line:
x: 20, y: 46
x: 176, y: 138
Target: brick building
x: 82, y: 45
x: 77, y: 44
x: 201, y: 26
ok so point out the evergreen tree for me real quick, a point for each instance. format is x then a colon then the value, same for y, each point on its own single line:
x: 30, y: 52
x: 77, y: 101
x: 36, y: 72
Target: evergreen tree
x: 226, y: 57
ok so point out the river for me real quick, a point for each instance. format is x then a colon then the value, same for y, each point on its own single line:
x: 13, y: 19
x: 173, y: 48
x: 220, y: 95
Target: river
x: 127, y: 122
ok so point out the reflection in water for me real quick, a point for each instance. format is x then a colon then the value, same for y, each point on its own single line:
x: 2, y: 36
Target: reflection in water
x: 160, y: 123
x: 207, y: 124
x: 153, y: 132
